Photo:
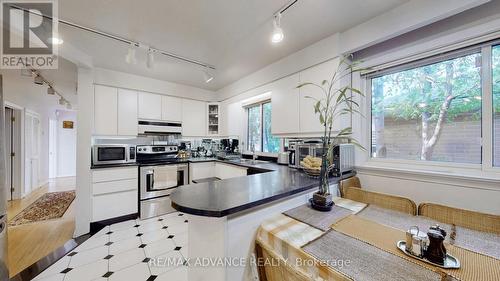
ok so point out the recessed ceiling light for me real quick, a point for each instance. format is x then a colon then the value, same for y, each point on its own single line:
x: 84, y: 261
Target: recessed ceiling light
x: 56, y: 40
x: 277, y: 35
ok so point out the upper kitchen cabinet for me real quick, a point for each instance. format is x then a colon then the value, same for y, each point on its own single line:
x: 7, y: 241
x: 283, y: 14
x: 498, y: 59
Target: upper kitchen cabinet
x: 105, y: 110
x: 150, y: 106
x: 127, y: 112
x: 171, y: 109
x: 213, y: 118
x: 285, y: 106
x: 194, y: 118
x: 308, y: 120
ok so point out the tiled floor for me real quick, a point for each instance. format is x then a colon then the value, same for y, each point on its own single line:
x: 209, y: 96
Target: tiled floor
x: 135, y: 250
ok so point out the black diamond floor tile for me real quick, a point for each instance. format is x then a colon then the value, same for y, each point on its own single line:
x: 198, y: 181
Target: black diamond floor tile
x: 107, y: 274
x: 67, y: 270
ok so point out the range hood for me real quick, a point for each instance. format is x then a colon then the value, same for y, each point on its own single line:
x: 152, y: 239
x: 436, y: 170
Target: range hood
x: 151, y: 127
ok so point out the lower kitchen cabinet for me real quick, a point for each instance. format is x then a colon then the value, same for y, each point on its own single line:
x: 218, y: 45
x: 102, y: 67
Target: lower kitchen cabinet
x: 114, y: 192
x: 226, y: 171
x: 201, y: 170
x: 215, y: 169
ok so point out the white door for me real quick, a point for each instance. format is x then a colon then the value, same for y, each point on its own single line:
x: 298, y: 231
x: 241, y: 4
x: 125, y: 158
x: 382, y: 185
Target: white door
x: 149, y: 106
x: 127, y: 112
x: 32, y: 152
x: 8, y: 152
x: 52, y: 148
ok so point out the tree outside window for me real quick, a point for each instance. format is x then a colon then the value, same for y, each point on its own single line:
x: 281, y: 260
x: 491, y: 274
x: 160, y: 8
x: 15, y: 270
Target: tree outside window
x: 259, y: 129
x: 430, y: 112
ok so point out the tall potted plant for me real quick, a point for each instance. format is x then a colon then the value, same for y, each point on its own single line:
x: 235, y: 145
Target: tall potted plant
x: 336, y: 102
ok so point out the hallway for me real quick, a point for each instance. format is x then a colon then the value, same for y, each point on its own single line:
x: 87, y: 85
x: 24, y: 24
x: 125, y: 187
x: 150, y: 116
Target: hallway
x: 30, y: 242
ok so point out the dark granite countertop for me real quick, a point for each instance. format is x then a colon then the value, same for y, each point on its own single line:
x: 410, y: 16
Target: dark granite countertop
x: 230, y: 196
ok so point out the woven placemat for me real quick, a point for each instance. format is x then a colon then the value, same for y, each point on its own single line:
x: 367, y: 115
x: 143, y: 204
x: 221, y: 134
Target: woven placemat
x: 361, y: 261
x: 320, y: 220
x: 474, y: 266
x: 477, y: 241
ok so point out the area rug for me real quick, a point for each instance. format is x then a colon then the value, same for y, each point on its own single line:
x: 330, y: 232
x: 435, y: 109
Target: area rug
x: 49, y: 206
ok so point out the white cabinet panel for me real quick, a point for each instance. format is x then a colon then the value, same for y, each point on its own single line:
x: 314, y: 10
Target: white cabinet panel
x: 114, y: 205
x: 226, y: 171
x: 194, y: 118
x: 201, y: 170
x: 127, y: 112
x: 308, y: 120
x: 285, y: 105
x: 114, y: 186
x: 149, y: 106
x: 171, y: 109
x: 105, y: 110
x: 114, y: 174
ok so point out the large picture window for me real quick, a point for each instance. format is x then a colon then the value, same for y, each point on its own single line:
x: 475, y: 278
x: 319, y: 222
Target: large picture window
x: 259, y: 129
x: 429, y: 111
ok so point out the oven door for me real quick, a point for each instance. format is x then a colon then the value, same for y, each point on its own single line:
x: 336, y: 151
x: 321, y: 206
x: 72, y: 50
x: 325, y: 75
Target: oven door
x: 110, y: 154
x: 161, y: 180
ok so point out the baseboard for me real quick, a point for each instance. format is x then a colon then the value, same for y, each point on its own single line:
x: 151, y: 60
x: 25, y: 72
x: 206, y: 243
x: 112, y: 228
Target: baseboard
x: 33, y: 270
x: 98, y: 225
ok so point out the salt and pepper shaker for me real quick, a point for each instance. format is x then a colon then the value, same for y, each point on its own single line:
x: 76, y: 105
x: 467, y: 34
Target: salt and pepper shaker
x: 416, y: 242
x: 436, y: 252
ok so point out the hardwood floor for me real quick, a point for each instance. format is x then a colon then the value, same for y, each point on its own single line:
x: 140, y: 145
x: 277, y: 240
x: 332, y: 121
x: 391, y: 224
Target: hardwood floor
x: 30, y: 242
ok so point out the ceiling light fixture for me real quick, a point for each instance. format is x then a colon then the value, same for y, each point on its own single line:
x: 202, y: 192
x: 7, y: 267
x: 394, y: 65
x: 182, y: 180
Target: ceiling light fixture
x: 277, y: 32
x: 38, y: 80
x: 208, y: 77
x: 51, y: 91
x: 56, y: 41
x: 151, y: 59
x: 130, y: 57
x: 62, y: 101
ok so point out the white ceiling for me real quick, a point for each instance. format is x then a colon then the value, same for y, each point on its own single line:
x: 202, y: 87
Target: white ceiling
x: 233, y: 35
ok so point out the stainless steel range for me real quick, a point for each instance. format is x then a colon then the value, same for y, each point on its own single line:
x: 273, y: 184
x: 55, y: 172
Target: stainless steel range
x: 160, y: 172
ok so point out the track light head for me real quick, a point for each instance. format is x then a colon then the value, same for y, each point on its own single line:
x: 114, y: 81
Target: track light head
x: 62, y: 101
x: 277, y: 35
x: 207, y: 76
x: 38, y: 80
x: 151, y: 59
x: 130, y: 57
x: 51, y: 91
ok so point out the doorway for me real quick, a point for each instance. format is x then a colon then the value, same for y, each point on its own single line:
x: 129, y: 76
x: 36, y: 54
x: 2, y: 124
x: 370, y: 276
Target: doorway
x: 13, y: 153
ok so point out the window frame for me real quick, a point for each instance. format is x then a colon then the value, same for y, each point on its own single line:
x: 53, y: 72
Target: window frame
x: 260, y: 104
x: 487, y: 126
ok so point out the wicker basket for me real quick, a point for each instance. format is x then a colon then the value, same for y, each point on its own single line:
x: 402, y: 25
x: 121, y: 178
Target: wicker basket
x: 312, y: 172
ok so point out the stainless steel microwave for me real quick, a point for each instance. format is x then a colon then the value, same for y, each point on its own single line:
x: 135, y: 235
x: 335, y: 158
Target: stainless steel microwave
x: 113, y: 154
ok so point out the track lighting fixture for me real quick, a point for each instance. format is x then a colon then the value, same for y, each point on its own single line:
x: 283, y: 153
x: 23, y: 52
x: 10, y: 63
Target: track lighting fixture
x: 62, y: 101
x: 151, y: 59
x: 277, y: 35
x: 208, y: 77
x: 130, y: 57
x: 38, y: 80
x: 51, y: 91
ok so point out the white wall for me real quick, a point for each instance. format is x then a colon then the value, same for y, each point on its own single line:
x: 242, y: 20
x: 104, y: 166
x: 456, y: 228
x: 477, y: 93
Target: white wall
x: 21, y: 91
x: 146, y: 84
x: 66, y: 144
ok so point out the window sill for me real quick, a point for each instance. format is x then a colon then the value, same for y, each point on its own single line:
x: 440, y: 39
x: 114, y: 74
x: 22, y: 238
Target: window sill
x: 462, y: 175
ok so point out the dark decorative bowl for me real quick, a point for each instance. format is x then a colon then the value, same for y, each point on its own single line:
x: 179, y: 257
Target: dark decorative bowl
x: 321, y: 208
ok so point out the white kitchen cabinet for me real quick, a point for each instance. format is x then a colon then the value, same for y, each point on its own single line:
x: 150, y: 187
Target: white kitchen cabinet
x: 149, y: 106
x: 171, y: 109
x: 201, y: 170
x: 194, y: 118
x: 308, y: 120
x: 285, y: 106
x: 114, y: 192
x: 105, y: 110
x: 213, y: 119
x: 226, y: 171
x: 127, y: 112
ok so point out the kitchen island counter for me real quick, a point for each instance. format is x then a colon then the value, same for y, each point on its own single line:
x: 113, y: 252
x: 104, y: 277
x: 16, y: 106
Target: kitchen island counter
x: 230, y: 196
